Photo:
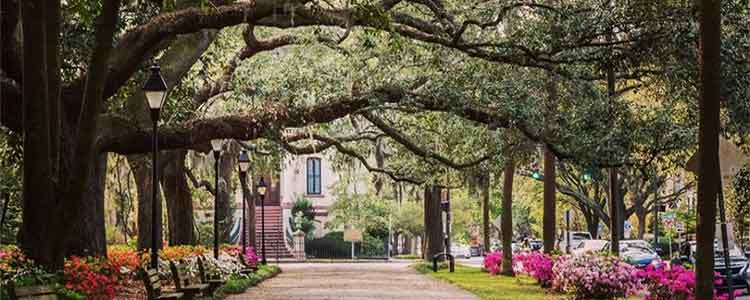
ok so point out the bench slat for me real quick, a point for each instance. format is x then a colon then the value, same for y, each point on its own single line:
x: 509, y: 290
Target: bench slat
x: 34, y: 290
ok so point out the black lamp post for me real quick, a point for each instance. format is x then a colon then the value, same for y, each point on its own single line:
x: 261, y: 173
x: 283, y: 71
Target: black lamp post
x: 156, y: 91
x: 244, y: 162
x: 216, y: 146
x: 261, y: 190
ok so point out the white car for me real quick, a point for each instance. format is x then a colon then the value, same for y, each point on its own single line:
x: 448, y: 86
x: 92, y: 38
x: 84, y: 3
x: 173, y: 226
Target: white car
x: 461, y: 251
x: 590, y: 246
x: 575, y: 238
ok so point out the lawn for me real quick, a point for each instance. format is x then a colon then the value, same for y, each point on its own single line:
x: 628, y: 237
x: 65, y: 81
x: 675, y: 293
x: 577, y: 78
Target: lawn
x: 491, y: 287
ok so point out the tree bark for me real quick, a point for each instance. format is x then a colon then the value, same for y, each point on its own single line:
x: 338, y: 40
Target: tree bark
x: 550, y: 202
x: 88, y: 236
x: 247, y: 197
x: 141, y: 167
x: 226, y: 170
x: 507, y: 217
x: 433, y: 223
x: 486, y: 212
x: 39, y: 206
x: 708, y: 145
x: 179, y: 200
x: 592, y: 224
x: 641, y: 214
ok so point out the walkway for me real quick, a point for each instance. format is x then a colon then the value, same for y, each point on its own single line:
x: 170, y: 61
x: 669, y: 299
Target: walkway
x: 318, y: 281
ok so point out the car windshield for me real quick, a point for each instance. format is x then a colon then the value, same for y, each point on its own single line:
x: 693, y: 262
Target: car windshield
x: 580, y: 236
x: 635, y: 246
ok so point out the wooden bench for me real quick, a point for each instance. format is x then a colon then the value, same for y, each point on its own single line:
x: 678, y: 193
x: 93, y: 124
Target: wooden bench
x: 183, y: 283
x: 213, y: 283
x: 34, y: 292
x: 153, y: 287
x: 245, y: 269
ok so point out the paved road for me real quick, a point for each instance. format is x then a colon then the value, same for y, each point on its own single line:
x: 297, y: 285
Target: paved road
x: 353, y: 281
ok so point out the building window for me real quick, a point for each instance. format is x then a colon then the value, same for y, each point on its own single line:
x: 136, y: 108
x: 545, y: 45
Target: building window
x: 313, y: 176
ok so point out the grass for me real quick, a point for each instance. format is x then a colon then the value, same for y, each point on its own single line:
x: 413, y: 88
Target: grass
x: 238, y: 284
x: 487, y: 287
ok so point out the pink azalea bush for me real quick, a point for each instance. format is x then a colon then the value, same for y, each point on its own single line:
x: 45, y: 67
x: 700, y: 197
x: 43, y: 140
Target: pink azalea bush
x: 535, y: 264
x: 673, y: 283
x: 662, y: 283
x: 594, y: 277
x: 251, y: 258
x: 493, y: 262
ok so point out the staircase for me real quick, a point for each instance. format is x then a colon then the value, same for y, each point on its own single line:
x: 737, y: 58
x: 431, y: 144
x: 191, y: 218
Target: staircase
x: 275, y: 236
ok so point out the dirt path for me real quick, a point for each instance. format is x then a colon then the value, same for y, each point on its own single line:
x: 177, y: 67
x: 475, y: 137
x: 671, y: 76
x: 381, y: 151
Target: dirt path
x: 318, y: 281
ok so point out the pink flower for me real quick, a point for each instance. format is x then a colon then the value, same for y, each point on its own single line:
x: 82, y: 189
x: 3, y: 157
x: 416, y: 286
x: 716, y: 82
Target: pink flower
x: 493, y: 262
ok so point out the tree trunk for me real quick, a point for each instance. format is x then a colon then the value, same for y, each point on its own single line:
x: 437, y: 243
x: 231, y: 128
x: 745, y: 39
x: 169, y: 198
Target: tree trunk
x: 40, y: 221
x: 141, y: 167
x: 592, y: 223
x: 486, y: 212
x: 550, y: 202
x: 88, y: 236
x: 641, y: 214
x: 178, y: 197
x: 433, y: 223
x: 226, y: 170
x: 615, y: 222
x: 247, y: 197
x: 507, y: 217
x: 708, y: 145
x: 549, y: 218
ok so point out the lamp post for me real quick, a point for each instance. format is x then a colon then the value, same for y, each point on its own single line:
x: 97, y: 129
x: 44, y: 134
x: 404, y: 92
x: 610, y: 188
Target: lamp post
x: 156, y: 91
x: 216, y: 146
x: 244, y: 162
x: 261, y: 190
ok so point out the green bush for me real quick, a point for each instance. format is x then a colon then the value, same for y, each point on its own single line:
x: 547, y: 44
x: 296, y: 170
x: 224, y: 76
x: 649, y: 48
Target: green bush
x: 66, y: 294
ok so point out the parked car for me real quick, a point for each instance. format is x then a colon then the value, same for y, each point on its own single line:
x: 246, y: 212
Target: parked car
x: 638, y: 253
x: 590, y: 246
x: 575, y: 238
x: 738, y: 263
x: 536, y: 245
x: 477, y: 250
x: 461, y: 251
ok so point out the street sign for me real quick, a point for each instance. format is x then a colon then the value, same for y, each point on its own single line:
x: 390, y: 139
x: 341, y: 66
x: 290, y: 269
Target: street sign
x: 353, y: 235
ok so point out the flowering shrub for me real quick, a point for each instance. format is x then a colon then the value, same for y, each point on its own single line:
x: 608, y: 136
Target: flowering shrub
x: 114, y: 277
x: 123, y: 262
x: 664, y: 283
x: 251, y: 258
x: 176, y: 253
x: 593, y: 277
x: 673, y: 283
x: 535, y: 264
x: 231, y: 250
x: 493, y: 262
x: 90, y: 277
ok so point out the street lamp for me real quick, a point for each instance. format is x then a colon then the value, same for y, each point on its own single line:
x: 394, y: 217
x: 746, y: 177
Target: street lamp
x: 216, y: 147
x: 244, y: 162
x: 537, y: 175
x: 261, y: 190
x: 587, y: 176
x: 156, y: 91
